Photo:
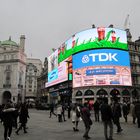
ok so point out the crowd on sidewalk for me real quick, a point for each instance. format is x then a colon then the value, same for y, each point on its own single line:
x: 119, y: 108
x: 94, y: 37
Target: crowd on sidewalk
x: 109, y: 114
x: 13, y: 115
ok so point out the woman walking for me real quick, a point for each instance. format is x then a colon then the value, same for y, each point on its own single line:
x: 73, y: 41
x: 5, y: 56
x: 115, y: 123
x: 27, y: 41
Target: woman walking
x: 23, y: 116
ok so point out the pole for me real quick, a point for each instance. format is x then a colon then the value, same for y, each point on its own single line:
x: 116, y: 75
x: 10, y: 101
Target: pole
x: 69, y: 92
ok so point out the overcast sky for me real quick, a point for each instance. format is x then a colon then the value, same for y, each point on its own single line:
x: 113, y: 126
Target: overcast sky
x: 47, y: 24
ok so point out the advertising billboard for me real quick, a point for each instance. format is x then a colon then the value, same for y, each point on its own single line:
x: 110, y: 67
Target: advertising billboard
x: 93, y: 39
x: 101, y: 67
x: 59, y: 74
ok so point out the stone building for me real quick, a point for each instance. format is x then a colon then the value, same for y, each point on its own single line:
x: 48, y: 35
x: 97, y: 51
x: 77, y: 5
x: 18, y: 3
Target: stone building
x: 12, y: 70
x: 33, y: 71
x: 42, y: 92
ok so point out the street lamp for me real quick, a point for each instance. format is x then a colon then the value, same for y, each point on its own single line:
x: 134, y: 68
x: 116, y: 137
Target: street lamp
x: 69, y: 89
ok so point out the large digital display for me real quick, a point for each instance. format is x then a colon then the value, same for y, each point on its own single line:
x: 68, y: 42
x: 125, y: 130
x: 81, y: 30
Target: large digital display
x: 93, y: 39
x: 59, y: 74
x: 97, y: 59
x: 101, y: 67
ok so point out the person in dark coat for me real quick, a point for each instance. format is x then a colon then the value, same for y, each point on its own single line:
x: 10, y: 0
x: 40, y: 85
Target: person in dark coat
x: 125, y: 111
x: 137, y: 112
x: 63, y: 112
x: 85, y: 114
x: 1, y: 113
x: 7, y: 119
x: 96, y: 106
x: 52, y: 110
x: 23, y: 117
x: 107, y: 118
x: 117, y: 114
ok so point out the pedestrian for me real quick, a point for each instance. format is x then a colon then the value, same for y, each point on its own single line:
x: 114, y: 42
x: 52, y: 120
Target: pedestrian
x: 85, y: 114
x: 59, y: 112
x: 107, y: 118
x: 7, y: 119
x: 75, y: 116
x: 137, y: 112
x: 16, y: 114
x: 125, y: 110
x: 63, y: 112
x: 23, y: 117
x: 1, y: 108
x: 52, y: 110
x: 96, y: 106
x: 117, y: 114
x: 132, y: 112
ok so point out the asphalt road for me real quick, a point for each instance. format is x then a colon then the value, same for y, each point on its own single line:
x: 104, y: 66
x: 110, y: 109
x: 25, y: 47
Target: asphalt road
x: 41, y: 127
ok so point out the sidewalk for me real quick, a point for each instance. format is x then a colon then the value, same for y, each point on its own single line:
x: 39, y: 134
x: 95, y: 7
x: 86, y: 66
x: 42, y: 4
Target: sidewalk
x: 41, y: 127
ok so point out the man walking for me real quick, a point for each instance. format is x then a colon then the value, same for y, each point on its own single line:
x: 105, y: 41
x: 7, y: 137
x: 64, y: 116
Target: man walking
x: 23, y: 117
x: 85, y: 114
x: 52, y: 110
x: 137, y: 112
x: 107, y: 118
x: 117, y: 114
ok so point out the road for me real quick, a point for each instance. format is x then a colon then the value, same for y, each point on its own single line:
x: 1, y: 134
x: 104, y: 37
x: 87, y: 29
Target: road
x: 41, y: 127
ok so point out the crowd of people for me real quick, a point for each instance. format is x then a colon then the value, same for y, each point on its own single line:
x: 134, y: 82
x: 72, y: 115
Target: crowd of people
x: 13, y: 115
x: 108, y: 113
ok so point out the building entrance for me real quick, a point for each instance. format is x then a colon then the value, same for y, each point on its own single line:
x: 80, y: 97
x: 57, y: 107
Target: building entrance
x: 6, y: 97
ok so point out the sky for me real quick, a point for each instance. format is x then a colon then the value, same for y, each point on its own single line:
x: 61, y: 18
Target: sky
x: 46, y: 24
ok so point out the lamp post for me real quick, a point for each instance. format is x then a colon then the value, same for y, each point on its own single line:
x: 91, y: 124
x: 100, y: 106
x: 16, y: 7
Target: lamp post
x: 69, y: 90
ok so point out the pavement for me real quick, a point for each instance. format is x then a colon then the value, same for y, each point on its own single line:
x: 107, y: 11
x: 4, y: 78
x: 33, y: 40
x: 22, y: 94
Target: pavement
x: 41, y: 127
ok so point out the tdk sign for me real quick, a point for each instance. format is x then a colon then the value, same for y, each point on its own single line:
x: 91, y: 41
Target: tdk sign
x: 100, y: 57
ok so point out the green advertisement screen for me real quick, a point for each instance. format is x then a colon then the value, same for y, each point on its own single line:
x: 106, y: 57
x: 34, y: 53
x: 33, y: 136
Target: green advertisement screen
x: 94, y: 38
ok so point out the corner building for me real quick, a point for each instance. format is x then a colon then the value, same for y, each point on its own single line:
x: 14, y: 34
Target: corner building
x: 12, y: 70
x: 104, y: 62
x: 127, y: 93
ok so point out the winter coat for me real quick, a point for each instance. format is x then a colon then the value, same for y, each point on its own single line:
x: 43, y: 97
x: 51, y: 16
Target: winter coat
x: 137, y: 110
x: 8, y: 116
x: 23, y: 115
x: 85, y: 114
x: 132, y: 110
x: 59, y: 110
x: 117, y: 110
x: 106, y: 112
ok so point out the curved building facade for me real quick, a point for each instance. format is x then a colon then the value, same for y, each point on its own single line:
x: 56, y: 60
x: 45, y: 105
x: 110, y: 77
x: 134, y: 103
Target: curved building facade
x: 103, y: 62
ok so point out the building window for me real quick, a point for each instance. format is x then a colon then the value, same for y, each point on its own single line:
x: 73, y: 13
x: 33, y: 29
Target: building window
x: 8, y: 67
x: 4, y: 57
x: 12, y: 56
x: 8, y: 78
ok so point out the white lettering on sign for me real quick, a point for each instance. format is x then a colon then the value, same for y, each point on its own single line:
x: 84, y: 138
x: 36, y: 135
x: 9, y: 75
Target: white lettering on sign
x: 104, y: 57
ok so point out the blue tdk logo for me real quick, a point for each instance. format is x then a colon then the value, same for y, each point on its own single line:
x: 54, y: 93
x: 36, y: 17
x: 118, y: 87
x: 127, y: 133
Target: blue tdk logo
x: 101, y: 57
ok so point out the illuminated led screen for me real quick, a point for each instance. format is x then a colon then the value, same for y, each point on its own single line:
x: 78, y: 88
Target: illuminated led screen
x: 101, y: 67
x: 105, y: 39
x: 59, y: 74
x: 93, y: 39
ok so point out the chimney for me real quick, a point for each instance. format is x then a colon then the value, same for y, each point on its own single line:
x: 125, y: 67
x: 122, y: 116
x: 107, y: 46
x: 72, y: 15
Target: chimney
x: 22, y: 42
x: 93, y: 26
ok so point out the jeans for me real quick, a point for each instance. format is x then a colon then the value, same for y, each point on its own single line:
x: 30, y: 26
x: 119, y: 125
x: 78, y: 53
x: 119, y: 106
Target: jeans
x: 106, y: 125
x: 117, y: 123
x: 7, y: 131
